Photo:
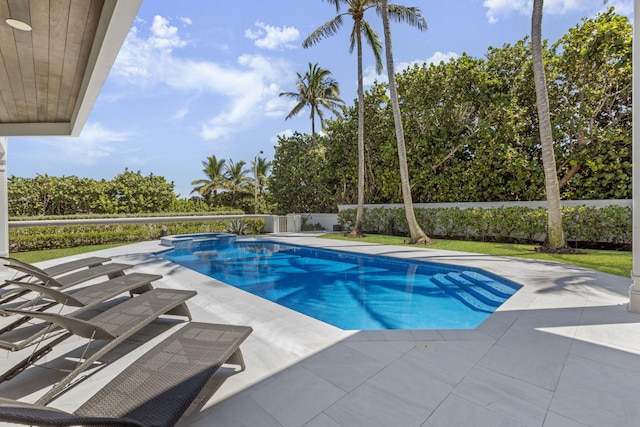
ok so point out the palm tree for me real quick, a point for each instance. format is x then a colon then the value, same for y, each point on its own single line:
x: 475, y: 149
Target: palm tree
x: 356, y: 9
x: 260, y: 167
x: 316, y: 89
x: 413, y: 16
x: 555, y: 239
x: 237, y: 179
x: 214, y: 171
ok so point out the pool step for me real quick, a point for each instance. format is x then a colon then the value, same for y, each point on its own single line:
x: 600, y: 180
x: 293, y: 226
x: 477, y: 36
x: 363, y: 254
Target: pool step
x: 502, y: 289
x: 485, y: 295
x: 450, y: 287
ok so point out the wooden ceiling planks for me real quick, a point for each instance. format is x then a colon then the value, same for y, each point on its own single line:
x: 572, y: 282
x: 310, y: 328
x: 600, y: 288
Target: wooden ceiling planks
x: 10, y: 65
x: 25, y: 91
x: 89, y: 33
x: 50, y: 77
x: 40, y: 20
x: 41, y: 70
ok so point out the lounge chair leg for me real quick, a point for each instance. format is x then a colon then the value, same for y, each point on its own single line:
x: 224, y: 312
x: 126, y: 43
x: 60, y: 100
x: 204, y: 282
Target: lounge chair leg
x: 181, y: 310
x: 32, y: 358
x: 24, y: 319
x: 237, y: 359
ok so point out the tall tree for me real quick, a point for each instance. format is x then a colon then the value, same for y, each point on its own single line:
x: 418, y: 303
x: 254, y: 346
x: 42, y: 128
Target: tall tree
x: 555, y: 239
x: 415, y: 18
x: 356, y: 10
x: 317, y: 90
x: 593, y: 91
x: 214, y: 171
x: 237, y: 179
x: 298, y: 177
x: 260, y: 167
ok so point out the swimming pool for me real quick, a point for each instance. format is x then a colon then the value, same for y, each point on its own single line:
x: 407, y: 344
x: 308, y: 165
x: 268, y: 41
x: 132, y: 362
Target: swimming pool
x: 354, y: 291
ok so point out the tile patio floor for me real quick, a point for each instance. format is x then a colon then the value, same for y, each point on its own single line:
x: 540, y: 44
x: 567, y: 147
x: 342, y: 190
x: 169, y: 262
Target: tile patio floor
x: 563, y: 351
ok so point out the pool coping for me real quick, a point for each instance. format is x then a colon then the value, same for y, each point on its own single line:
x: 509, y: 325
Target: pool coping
x: 463, y: 305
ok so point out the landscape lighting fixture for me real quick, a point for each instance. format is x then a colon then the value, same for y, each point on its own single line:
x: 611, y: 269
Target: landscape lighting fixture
x: 18, y: 25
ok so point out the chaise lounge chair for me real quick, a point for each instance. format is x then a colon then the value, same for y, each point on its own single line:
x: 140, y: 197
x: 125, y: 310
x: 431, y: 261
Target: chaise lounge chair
x: 110, y: 270
x: 156, y: 389
x: 84, y: 297
x: 113, y: 325
x: 58, y: 269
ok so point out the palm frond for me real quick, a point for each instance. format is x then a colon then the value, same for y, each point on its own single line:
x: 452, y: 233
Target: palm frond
x: 294, y: 112
x: 336, y: 3
x: 373, y: 40
x: 327, y: 29
x: 411, y: 15
x: 292, y: 95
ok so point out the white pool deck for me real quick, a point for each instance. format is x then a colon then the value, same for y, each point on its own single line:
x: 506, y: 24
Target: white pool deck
x: 563, y: 351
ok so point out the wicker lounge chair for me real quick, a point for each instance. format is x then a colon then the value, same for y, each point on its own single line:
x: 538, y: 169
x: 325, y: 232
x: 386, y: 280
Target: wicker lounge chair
x: 113, y: 325
x: 58, y: 269
x: 153, y: 391
x: 110, y: 270
x: 84, y: 297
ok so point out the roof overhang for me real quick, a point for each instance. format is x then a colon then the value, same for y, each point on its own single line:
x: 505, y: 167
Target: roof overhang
x: 50, y: 77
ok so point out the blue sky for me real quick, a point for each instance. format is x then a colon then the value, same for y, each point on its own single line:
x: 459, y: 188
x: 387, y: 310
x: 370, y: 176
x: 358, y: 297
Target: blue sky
x: 196, y: 78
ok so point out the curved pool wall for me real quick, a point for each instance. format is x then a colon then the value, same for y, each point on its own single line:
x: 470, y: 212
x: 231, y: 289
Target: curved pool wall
x: 197, y: 242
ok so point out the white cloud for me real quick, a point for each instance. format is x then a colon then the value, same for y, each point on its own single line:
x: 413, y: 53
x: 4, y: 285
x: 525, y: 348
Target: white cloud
x: 164, y: 35
x: 273, y: 38
x: 370, y: 76
x: 181, y: 113
x: 248, y: 89
x: 285, y: 134
x: 95, y: 142
x: 278, y: 107
x: 623, y: 7
x: 497, y: 9
x: 436, y: 58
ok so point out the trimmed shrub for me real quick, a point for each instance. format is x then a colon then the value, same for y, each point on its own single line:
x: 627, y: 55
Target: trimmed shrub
x: 585, y: 225
x: 34, y: 238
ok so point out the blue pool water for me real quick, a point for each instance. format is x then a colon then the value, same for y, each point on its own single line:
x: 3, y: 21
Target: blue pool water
x: 354, y: 291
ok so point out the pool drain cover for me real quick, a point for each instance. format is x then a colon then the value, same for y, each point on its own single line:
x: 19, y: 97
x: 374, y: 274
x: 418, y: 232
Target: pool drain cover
x: 426, y: 346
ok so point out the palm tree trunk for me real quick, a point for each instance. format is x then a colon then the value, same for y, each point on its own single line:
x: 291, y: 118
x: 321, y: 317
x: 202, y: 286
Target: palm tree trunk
x: 555, y: 236
x: 418, y: 236
x: 313, y: 126
x: 357, y: 229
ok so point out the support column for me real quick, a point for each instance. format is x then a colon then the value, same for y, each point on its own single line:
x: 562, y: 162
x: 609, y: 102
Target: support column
x: 634, y: 290
x: 4, y: 206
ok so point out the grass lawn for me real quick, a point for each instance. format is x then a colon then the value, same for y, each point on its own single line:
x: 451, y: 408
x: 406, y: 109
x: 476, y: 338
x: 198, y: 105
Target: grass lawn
x: 612, y: 262
x: 37, y: 256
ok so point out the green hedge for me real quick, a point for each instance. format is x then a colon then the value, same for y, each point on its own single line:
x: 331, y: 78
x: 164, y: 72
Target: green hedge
x: 610, y: 224
x: 34, y: 238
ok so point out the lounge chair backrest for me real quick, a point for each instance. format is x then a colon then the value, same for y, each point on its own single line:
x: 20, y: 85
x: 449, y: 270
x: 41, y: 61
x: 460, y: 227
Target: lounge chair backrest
x: 84, y: 297
x: 79, y: 327
x: 156, y: 389
x: 111, y: 270
x: 63, y: 267
x: 98, y: 292
x: 122, y: 321
x: 160, y: 386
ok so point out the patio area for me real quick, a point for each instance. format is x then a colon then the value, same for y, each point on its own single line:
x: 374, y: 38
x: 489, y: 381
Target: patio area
x: 563, y: 351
